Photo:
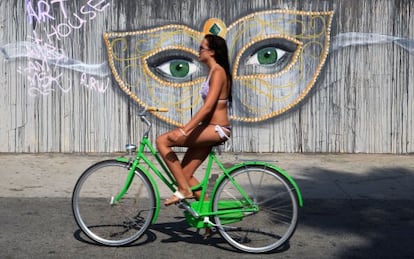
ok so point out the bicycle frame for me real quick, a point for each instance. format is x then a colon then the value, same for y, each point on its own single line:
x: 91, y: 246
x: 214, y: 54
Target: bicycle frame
x: 165, y: 176
x: 199, y: 209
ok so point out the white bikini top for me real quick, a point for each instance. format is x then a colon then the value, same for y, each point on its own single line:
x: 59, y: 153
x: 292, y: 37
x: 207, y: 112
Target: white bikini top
x: 204, y: 88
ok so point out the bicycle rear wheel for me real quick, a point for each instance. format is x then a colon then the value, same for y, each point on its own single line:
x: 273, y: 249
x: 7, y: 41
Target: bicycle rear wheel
x: 264, y: 225
x: 120, y: 223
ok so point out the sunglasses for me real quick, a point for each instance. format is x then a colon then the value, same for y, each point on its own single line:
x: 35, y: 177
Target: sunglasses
x: 201, y: 48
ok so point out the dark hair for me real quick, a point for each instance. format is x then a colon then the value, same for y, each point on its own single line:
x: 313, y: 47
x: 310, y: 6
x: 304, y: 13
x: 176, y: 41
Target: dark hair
x: 218, y: 44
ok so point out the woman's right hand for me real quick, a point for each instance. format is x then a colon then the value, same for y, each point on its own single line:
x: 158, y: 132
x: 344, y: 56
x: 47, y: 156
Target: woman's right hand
x: 176, y: 135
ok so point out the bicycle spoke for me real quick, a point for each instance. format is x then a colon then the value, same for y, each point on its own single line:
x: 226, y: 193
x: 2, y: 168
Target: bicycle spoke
x: 265, y: 229
x: 253, y: 190
x: 276, y: 196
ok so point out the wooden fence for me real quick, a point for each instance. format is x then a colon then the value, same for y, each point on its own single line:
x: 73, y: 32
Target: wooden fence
x: 57, y: 93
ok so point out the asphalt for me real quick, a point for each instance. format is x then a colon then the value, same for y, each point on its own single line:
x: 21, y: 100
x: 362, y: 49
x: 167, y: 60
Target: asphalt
x: 355, y: 206
x: 319, y: 176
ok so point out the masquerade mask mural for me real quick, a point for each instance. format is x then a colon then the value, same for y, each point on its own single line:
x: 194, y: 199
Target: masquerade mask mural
x: 276, y: 58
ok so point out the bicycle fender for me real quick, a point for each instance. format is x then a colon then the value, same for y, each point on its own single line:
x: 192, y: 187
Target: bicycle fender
x: 264, y: 164
x: 154, y: 186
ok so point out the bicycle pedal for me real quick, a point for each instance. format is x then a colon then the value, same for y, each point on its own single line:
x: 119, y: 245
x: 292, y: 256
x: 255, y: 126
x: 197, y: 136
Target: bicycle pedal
x: 181, y: 205
x: 187, y: 207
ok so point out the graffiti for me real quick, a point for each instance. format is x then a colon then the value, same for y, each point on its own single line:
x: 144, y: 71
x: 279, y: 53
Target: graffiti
x: 43, y: 13
x: 43, y: 50
x: 42, y: 69
x: 52, y: 56
x: 359, y: 38
x: 42, y: 80
x: 42, y: 77
x: 94, y: 84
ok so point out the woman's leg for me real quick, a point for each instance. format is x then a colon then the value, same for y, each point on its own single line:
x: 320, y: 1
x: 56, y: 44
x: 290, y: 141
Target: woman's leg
x: 164, y: 145
x: 193, y: 158
x: 202, y: 137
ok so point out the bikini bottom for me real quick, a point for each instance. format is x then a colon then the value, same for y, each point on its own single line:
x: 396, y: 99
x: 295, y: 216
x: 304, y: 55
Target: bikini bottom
x: 221, y: 131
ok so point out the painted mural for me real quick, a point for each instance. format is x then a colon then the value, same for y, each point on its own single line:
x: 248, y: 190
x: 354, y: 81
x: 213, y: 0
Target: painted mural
x: 276, y: 57
x: 278, y: 53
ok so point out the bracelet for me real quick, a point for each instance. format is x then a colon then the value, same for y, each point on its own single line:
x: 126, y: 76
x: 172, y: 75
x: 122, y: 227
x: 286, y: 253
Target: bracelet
x: 183, y: 132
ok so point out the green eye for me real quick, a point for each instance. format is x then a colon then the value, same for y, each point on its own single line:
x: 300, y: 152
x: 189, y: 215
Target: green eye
x: 178, y: 68
x: 267, y: 56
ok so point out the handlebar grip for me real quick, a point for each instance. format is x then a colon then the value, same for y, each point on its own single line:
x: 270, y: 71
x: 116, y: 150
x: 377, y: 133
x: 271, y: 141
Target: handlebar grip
x: 155, y: 109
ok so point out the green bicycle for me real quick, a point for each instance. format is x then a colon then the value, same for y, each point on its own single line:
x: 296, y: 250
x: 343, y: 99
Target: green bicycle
x: 253, y: 205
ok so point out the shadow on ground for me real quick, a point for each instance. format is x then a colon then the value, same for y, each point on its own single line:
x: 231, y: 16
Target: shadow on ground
x: 370, y: 222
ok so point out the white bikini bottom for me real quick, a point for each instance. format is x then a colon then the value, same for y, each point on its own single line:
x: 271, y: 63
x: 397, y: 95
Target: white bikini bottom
x: 220, y: 130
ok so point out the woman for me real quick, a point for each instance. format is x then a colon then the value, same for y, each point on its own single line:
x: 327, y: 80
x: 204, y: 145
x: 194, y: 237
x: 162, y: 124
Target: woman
x: 209, y: 126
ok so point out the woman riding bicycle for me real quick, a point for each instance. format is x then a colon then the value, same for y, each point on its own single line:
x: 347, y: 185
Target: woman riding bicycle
x: 208, y: 127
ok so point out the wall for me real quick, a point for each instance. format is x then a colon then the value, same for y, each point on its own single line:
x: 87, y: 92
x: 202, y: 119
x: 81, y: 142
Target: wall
x: 58, y: 94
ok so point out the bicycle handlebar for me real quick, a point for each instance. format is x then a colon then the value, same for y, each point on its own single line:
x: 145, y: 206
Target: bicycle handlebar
x: 155, y: 109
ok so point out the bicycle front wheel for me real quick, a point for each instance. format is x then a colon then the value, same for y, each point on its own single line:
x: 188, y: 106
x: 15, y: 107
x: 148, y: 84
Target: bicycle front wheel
x: 112, y: 224
x: 265, y: 222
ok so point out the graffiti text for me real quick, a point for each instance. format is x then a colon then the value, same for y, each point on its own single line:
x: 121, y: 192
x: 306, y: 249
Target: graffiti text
x: 76, y: 21
x: 43, y: 78
x: 91, y: 83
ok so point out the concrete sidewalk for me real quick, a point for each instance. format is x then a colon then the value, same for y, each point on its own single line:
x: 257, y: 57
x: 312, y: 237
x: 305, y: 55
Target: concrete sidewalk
x: 319, y: 176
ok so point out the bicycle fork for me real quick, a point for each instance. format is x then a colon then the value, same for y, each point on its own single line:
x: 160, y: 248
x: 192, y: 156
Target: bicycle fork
x: 128, y: 181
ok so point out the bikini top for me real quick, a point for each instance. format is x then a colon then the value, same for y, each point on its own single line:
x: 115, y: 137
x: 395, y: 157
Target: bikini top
x: 205, y: 87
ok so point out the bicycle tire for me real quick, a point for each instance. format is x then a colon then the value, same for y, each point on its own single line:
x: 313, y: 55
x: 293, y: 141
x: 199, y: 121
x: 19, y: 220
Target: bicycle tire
x: 277, y: 209
x: 121, y: 223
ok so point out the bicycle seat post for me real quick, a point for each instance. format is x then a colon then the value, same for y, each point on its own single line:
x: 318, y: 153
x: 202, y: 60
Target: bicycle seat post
x: 216, y: 149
